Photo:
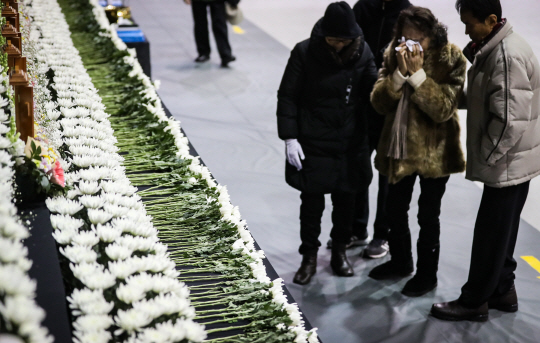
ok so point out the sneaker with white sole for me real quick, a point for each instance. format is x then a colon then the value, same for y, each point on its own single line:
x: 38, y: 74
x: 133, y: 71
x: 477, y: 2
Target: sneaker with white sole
x: 377, y: 248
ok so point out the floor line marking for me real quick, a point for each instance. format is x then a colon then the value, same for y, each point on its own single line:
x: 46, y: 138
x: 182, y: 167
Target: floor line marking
x: 533, y: 262
x: 238, y: 30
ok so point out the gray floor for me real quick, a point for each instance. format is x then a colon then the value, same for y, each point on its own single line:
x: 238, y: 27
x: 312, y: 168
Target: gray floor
x: 229, y: 116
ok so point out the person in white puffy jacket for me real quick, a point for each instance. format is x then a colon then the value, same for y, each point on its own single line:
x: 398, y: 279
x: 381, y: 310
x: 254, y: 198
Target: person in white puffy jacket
x: 503, y: 152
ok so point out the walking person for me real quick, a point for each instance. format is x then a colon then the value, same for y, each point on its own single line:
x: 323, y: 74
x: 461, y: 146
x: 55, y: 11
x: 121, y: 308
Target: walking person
x: 503, y: 152
x: 219, y: 28
x: 321, y: 117
x: 418, y: 91
x: 377, y: 19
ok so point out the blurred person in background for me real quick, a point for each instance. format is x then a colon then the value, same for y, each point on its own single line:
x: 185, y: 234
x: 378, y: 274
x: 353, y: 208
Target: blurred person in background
x: 321, y: 117
x: 219, y: 28
x: 418, y: 91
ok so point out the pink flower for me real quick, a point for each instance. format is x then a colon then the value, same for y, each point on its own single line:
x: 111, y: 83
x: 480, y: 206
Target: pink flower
x: 57, y: 174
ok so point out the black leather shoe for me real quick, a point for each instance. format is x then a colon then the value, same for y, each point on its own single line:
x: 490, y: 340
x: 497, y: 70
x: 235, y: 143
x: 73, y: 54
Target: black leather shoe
x: 507, y: 302
x: 202, y: 58
x: 454, y: 311
x: 307, y: 269
x: 339, y: 262
x: 225, y: 61
x: 391, y: 270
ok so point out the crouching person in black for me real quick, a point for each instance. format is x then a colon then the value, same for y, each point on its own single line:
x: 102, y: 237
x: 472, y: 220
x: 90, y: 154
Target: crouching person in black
x: 321, y: 102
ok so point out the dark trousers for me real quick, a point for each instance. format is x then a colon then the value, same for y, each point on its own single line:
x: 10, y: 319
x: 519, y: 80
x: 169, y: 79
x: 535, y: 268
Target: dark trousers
x: 492, y: 263
x: 311, y: 212
x: 219, y: 27
x: 429, y: 207
x: 361, y: 213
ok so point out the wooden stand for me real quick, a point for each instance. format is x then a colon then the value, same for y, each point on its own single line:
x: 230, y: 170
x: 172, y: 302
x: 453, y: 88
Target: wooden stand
x: 24, y: 94
x: 24, y: 109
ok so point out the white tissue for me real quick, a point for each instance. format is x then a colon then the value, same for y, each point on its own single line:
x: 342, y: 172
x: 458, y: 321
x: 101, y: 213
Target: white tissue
x: 409, y: 43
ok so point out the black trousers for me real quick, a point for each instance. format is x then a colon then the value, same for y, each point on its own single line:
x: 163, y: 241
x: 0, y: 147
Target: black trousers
x: 361, y: 213
x: 429, y: 207
x: 311, y: 212
x: 492, y: 263
x: 219, y: 27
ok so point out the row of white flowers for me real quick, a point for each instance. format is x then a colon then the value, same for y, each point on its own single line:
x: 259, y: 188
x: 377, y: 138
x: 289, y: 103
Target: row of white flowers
x: 21, y: 316
x: 229, y: 212
x: 101, y: 225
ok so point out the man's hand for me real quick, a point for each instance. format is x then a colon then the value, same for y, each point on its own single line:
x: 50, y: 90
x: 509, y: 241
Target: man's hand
x: 414, y: 60
x: 188, y: 2
x: 401, y: 59
x: 294, y: 152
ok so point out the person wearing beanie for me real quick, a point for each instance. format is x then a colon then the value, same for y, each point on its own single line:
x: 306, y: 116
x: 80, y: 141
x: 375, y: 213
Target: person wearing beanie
x: 321, y: 117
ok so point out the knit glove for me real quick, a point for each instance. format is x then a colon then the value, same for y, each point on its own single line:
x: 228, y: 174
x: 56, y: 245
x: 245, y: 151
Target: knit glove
x: 294, y: 153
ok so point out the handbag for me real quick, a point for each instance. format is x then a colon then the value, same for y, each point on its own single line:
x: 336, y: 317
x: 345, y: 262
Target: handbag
x: 233, y: 14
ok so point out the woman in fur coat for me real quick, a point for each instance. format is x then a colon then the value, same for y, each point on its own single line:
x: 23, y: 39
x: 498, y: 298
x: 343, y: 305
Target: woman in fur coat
x: 418, y: 91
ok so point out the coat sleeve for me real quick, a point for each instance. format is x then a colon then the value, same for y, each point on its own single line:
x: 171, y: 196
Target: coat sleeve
x: 439, y: 100
x: 289, y: 94
x: 510, y: 103
x: 384, y: 98
x: 369, y: 75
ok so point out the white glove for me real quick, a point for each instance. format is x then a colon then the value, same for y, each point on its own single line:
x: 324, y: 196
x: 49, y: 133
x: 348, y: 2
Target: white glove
x: 294, y: 153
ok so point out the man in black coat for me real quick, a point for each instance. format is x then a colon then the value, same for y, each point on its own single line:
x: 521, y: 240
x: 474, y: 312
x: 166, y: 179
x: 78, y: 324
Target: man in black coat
x: 376, y: 18
x: 321, y: 116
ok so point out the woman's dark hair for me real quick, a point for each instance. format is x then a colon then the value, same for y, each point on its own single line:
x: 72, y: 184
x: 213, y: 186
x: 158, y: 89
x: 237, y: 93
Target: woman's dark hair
x: 480, y: 9
x: 424, y: 20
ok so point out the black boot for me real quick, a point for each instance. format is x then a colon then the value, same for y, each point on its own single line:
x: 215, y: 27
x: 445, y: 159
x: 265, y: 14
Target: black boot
x: 307, y: 269
x: 425, y: 279
x: 401, y: 262
x: 339, y: 262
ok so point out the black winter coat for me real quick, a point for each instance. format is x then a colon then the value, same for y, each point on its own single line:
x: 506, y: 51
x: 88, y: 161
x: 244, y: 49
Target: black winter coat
x: 321, y: 102
x: 377, y: 19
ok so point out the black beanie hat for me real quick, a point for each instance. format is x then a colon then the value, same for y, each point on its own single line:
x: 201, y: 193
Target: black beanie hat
x: 339, y: 21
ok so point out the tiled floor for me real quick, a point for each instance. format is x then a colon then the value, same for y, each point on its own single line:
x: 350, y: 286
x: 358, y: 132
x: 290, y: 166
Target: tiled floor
x: 229, y: 116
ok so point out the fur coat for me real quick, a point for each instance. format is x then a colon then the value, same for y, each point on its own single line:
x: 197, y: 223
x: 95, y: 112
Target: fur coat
x: 433, y: 132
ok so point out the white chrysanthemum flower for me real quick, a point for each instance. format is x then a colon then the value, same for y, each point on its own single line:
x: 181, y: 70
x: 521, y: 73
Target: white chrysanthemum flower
x: 294, y: 313
x: 10, y: 228
x: 63, y: 206
x: 259, y: 272
x: 277, y: 292
x: 122, y: 269
x: 118, y: 252
x: 21, y: 309
x: 11, y: 251
x: 84, y: 296
x: 107, y: 233
x: 86, y: 239
x: 63, y: 222
x: 92, y: 336
x: 90, y: 188
x: 92, y: 202
x: 115, y: 210
x: 132, y: 320
x: 14, y: 281
x: 93, y: 322
x: 79, y: 254
x: 119, y: 187
x: 194, y: 332
x: 301, y: 335
x: 97, y: 307
x: 102, y: 280
x: 98, y: 216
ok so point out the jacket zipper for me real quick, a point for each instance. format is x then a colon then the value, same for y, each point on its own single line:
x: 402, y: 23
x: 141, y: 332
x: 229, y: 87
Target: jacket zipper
x: 506, y: 97
x: 348, y: 91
